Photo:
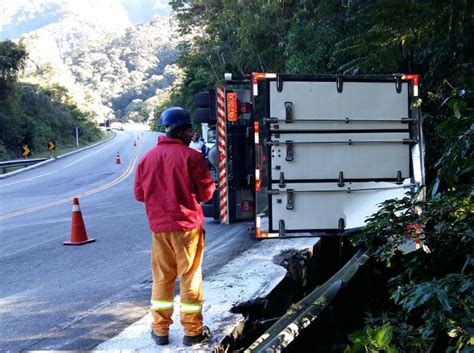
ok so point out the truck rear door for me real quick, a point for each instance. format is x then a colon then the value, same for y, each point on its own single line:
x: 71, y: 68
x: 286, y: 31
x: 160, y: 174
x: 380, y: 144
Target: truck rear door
x: 330, y: 149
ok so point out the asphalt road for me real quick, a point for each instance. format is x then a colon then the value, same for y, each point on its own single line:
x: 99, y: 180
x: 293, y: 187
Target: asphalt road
x: 74, y: 297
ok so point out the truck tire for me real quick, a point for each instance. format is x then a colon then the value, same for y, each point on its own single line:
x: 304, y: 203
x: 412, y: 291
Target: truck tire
x: 203, y: 115
x: 201, y: 99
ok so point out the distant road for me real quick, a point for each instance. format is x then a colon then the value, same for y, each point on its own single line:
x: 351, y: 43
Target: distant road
x: 58, y: 297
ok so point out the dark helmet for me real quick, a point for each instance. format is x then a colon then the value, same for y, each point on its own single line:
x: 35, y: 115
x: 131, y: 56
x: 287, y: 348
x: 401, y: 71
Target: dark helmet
x: 174, y: 117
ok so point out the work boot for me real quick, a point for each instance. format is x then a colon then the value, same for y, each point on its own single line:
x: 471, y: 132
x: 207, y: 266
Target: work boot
x: 203, y: 337
x: 160, y: 340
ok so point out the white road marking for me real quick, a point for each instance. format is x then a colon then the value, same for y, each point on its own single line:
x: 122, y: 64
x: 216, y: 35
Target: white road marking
x: 55, y: 171
x: 90, y: 154
x: 36, y: 177
x: 119, y: 179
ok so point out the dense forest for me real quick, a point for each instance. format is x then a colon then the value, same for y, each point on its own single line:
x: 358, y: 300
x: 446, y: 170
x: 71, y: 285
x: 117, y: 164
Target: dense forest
x: 427, y: 300
x: 33, y: 114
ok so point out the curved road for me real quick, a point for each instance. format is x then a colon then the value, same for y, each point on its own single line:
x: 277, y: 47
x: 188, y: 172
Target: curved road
x: 74, y: 297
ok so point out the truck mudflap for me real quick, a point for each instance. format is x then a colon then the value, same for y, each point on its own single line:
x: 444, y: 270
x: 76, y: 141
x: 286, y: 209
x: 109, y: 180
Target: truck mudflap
x: 330, y: 149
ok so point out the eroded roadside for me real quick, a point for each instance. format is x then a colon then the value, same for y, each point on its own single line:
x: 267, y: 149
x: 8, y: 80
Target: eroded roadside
x: 306, y: 270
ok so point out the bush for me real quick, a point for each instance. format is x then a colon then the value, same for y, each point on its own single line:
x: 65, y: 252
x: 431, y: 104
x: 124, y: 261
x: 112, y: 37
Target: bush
x: 432, y: 288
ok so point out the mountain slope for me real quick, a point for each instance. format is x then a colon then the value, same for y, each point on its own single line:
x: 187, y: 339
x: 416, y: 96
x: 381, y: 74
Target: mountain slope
x: 91, y: 48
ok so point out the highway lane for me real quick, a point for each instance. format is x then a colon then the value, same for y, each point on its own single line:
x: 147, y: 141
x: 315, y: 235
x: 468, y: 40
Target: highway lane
x: 68, y: 176
x: 58, y: 297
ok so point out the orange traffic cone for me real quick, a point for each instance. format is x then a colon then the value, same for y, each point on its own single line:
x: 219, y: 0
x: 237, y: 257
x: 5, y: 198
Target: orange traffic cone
x: 78, y: 230
x: 117, y: 159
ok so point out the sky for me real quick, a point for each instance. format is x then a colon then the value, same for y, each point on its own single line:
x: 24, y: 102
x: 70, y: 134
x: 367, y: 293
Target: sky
x: 21, y: 16
x: 139, y: 10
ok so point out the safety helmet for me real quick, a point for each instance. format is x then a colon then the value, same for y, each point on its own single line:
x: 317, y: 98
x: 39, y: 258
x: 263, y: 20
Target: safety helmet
x: 175, y: 116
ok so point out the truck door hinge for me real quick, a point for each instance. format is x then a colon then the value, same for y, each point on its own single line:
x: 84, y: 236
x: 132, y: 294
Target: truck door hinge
x: 282, y: 183
x: 279, y: 83
x: 248, y: 132
x: 399, y: 177
x: 339, y: 83
x: 289, y: 151
x: 288, y: 112
x: 290, y: 204
x: 341, y: 224
x: 398, y: 84
x: 281, y: 228
x: 405, y: 120
x: 410, y: 141
x: 270, y: 120
x: 271, y: 143
x: 341, y: 180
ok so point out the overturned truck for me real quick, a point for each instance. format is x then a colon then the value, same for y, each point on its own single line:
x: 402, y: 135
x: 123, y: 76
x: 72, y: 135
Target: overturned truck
x: 311, y: 154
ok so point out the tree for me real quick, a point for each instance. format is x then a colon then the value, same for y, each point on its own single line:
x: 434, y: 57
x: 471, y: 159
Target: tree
x: 12, y: 60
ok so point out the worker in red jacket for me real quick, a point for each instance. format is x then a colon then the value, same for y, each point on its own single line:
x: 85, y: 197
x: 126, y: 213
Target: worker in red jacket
x: 172, y: 179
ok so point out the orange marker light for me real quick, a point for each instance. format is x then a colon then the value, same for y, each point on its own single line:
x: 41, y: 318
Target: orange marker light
x: 231, y: 107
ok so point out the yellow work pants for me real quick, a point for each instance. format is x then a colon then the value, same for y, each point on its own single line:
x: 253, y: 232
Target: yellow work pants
x: 177, y: 254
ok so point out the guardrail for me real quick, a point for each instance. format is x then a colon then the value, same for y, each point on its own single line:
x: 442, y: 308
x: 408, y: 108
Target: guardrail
x: 303, y: 313
x: 19, y: 162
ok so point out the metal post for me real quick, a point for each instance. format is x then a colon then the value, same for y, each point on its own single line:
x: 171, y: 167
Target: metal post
x: 77, y: 137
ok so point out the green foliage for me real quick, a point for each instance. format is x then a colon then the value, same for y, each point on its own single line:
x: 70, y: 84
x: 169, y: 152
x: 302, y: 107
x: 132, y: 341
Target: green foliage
x: 370, y: 339
x: 12, y: 60
x: 433, y: 289
x: 455, y: 165
x: 33, y: 115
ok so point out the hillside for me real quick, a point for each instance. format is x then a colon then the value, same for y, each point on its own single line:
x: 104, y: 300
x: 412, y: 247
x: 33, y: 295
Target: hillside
x: 111, y: 68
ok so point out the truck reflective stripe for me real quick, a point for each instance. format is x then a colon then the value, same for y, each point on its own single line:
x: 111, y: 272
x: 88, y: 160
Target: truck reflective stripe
x: 256, y: 130
x: 222, y: 148
x: 257, y: 180
x: 161, y: 305
x: 414, y: 78
x: 259, y: 75
x: 190, y: 308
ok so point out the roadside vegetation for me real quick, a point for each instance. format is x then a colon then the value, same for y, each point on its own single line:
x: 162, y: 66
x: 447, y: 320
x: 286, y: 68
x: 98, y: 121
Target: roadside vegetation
x: 33, y: 115
x: 427, y: 302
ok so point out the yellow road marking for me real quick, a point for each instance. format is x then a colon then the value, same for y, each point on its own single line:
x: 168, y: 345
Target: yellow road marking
x: 122, y: 177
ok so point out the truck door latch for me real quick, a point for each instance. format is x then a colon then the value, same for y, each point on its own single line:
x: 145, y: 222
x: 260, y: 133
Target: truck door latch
x: 341, y: 180
x: 288, y: 112
x: 289, y: 151
x: 290, y: 204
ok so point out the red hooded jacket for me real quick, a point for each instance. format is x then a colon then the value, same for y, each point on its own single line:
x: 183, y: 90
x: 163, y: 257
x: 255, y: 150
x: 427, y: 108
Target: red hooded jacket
x: 172, y: 179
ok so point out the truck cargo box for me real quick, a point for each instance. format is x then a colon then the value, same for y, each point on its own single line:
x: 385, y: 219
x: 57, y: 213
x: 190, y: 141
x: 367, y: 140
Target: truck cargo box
x: 330, y: 149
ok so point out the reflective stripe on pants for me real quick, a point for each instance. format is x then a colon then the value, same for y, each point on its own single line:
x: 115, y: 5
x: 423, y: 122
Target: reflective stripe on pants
x: 161, y: 305
x: 190, y: 308
x: 177, y: 254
